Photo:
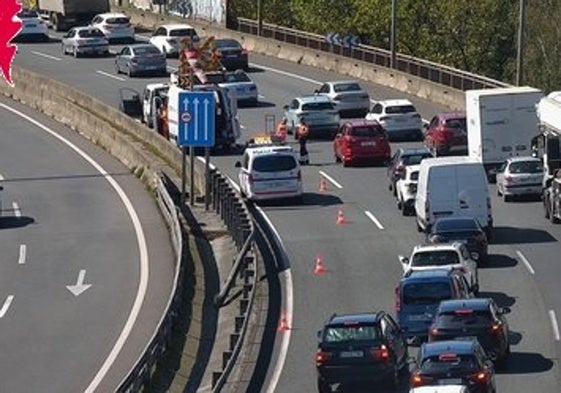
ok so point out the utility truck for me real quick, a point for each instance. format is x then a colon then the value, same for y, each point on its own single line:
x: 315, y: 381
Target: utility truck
x: 501, y: 123
x: 64, y: 14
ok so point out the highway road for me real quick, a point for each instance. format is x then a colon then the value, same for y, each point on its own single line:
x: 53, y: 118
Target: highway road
x: 361, y: 256
x: 83, y: 244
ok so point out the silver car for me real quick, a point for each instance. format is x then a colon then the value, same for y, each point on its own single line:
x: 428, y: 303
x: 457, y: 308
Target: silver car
x: 520, y: 176
x: 85, y: 40
x: 320, y: 115
x: 349, y: 98
x: 141, y: 59
x: 245, y: 88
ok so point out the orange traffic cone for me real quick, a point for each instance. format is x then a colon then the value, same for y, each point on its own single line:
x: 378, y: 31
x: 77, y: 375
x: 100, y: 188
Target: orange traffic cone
x: 322, y: 184
x: 319, y: 269
x: 341, y: 217
x: 283, y: 325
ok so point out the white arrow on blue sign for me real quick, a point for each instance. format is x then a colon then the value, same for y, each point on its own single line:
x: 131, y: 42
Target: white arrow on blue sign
x: 196, y: 118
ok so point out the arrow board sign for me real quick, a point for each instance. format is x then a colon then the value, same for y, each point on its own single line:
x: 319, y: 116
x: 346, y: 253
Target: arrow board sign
x: 196, y: 118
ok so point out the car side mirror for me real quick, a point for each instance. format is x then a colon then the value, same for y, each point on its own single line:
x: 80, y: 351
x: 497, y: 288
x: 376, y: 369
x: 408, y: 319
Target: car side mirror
x: 505, y: 310
x: 403, y: 260
x: 238, y: 164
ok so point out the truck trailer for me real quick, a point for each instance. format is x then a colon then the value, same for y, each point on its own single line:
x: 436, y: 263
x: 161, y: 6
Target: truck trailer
x: 501, y: 123
x: 64, y: 14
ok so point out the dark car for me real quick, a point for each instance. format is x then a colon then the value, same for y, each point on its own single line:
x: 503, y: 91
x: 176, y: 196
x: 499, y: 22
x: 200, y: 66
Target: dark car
x: 480, y: 318
x: 457, y: 362
x: 446, y: 134
x: 404, y: 157
x: 365, y: 347
x: 232, y: 55
x: 419, y: 293
x: 464, y: 229
x: 141, y: 59
x: 361, y: 140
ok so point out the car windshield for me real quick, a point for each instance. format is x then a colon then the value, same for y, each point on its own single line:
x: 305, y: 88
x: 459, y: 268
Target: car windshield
x: 455, y: 225
x: 93, y: 33
x: 345, y: 87
x: 426, y: 293
x: 182, y: 33
x: 237, y: 77
x: 146, y: 50
x: 28, y: 14
x: 435, y: 258
x: 274, y: 163
x: 415, y: 159
x: 366, y: 131
x: 444, y: 363
x: 526, y: 167
x: 317, y: 106
x: 335, y: 334
x: 400, y: 109
x: 221, y: 44
x: 456, y: 123
x: 464, y: 318
x: 117, y: 21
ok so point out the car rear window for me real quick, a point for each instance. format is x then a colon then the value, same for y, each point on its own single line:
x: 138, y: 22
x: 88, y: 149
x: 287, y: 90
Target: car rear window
x: 454, y: 225
x: 526, y: 167
x: 464, y: 318
x: 237, y: 77
x: 274, y: 163
x: 426, y: 293
x: 400, y: 109
x: 368, y: 131
x: 117, y: 21
x: 90, y: 33
x: 317, y: 106
x: 359, y: 332
x: 345, y: 87
x: 28, y: 14
x: 182, y: 33
x: 456, y: 123
x: 233, y: 44
x: 146, y: 50
x: 435, y: 258
x: 415, y: 159
x: 442, y: 363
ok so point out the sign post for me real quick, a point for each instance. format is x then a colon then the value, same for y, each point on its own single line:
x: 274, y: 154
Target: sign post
x: 197, y: 129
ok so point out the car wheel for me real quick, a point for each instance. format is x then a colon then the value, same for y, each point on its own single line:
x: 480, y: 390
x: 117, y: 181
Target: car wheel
x: 323, y: 387
x: 507, y: 198
x: 346, y: 163
x: 337, y: 158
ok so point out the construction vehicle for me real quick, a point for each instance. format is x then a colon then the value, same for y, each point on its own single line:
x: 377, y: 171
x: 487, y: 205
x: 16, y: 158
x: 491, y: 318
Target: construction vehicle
x: 64, y: 14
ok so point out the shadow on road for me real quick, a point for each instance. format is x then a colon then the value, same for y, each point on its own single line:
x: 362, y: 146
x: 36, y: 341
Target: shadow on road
x: 526, y: 363
x: 510, y: 235
x: 514, y: 338
x: 15, y: 222
x: 496, y: 261
x: 502, y: 299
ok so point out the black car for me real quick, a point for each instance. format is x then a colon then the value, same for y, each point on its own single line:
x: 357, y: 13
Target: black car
x: 480, y: 318
x: 465, y: 229
x: 232, y: 55
x: 457, y: 362
x: 404, y: 157
x: 365, y: 347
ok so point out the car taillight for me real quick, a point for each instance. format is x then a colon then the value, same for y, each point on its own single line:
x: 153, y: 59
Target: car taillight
x: 479, y: 377
x: 384, y: 118
x: 399, y: 169
x: 397, y: 299
x: 496, y: 328
x: 105, y: 26
x: 419, y: 380
x: 381, y: 353
x: 416, y: 116
x: 81, y: 42
x: 250, y: 178
x: 337, y: 98
x: 134, y: 60
x: 245, y: 52
x: 508, y: 179
x: 322, y: 357
x: 433, y: 332
x: 171, y: 40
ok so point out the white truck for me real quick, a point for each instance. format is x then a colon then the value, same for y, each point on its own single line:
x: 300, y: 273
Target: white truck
x: 501, y: 123
x: 64, y: 14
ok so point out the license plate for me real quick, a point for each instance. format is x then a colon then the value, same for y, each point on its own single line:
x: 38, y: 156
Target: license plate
x: 450, y: 381
x: 152, y: 67
x: 352, y: 354
x: 277, y: 184
x: 368, y: 144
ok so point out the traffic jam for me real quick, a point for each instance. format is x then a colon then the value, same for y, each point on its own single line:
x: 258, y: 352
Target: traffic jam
x: 442, y: 336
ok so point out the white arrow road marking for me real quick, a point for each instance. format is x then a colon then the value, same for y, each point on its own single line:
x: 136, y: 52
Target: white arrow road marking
x: 6, y: 305
x: 330, y: 179
x: 46, y: 55
x: 374, y: 219
x: 16, y: 209
x: 80, y: 286
x: 22, y: 254
x: 554, y: 324
x: 525, y: 262
x: 110, y: 76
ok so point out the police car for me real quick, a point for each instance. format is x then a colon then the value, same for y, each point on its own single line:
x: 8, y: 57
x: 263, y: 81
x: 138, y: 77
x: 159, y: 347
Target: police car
x: 268, y: 171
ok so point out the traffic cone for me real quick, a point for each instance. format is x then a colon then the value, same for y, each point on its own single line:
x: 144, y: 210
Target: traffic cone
x: 322, y: 184
x: 283, y: 325
x: 341, y: 217
x: 319, y: 269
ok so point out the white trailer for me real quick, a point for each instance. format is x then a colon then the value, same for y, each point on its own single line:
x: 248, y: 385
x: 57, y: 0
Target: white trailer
x: 64, y: 14
x: 501, y: 123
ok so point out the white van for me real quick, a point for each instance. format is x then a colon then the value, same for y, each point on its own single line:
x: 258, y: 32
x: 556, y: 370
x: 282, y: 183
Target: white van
x: 452, y: 186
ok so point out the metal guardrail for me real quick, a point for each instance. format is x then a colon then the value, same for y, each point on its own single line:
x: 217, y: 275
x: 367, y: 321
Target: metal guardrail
x: 434, y: 72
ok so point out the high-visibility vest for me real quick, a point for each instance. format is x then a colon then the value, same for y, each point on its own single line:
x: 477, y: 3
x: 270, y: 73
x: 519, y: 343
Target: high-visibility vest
x: 303, y: 130
x: 281, y: 131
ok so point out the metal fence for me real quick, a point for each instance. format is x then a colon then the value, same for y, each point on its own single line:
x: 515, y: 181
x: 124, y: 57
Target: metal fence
x: 434, y: 72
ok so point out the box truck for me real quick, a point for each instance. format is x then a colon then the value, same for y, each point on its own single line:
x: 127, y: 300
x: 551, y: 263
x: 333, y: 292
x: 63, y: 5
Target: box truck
x: 501, y: 123
x: 64, y: 14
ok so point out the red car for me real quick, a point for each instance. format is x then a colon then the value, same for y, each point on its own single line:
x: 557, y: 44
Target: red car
x: 361, y: 140
x: 446, y: 134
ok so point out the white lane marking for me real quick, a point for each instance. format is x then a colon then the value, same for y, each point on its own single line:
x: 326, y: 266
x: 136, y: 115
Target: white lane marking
x: 374, y: 219
x: 1, y: 177
x: 285, y: 73
x: 46, y: 55
x: 210, y: 164
x: 261, y: 96
x: 22, y: 254
x: 142, y: 248
x: 16, y: 209
x: 525, y: 262
x: 111, y: 76
x: 554, y: 325
x: 330, y: 179
x: 6, y: 306
x: 285, y: 275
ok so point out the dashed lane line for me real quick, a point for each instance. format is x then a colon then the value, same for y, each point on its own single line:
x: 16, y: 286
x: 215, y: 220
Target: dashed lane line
x: 331, y: 180
x: 6, y: 305
x: 525, y: 262
x: 374, y: 219
x: 46, y: 55
x: 110, y: 76
x: 22, y: 254
x: 16, y: 209
x: 554, y: 325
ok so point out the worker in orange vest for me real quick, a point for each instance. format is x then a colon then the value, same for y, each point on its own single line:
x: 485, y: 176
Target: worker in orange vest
x: 302, y: 133
x: 164, y: 129
x: 282, y: 129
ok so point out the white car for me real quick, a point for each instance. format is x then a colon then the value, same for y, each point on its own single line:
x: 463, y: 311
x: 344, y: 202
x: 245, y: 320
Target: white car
x: 448, y: 255
x: 32, y: 26
x: 348, y: 97
x: 317, y: 111
x: 440, y: 389
x: 115, y: 26
x: 406, y: 189
x: 168, y: 38
x: 399, y: 118
x: 520, y: 176
x: 245, y: 88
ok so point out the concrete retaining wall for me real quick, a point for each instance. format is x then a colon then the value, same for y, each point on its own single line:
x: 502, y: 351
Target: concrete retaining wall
x: 452, y: 98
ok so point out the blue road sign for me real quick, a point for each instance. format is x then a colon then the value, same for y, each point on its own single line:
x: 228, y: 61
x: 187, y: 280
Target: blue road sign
x: 196, y: 118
